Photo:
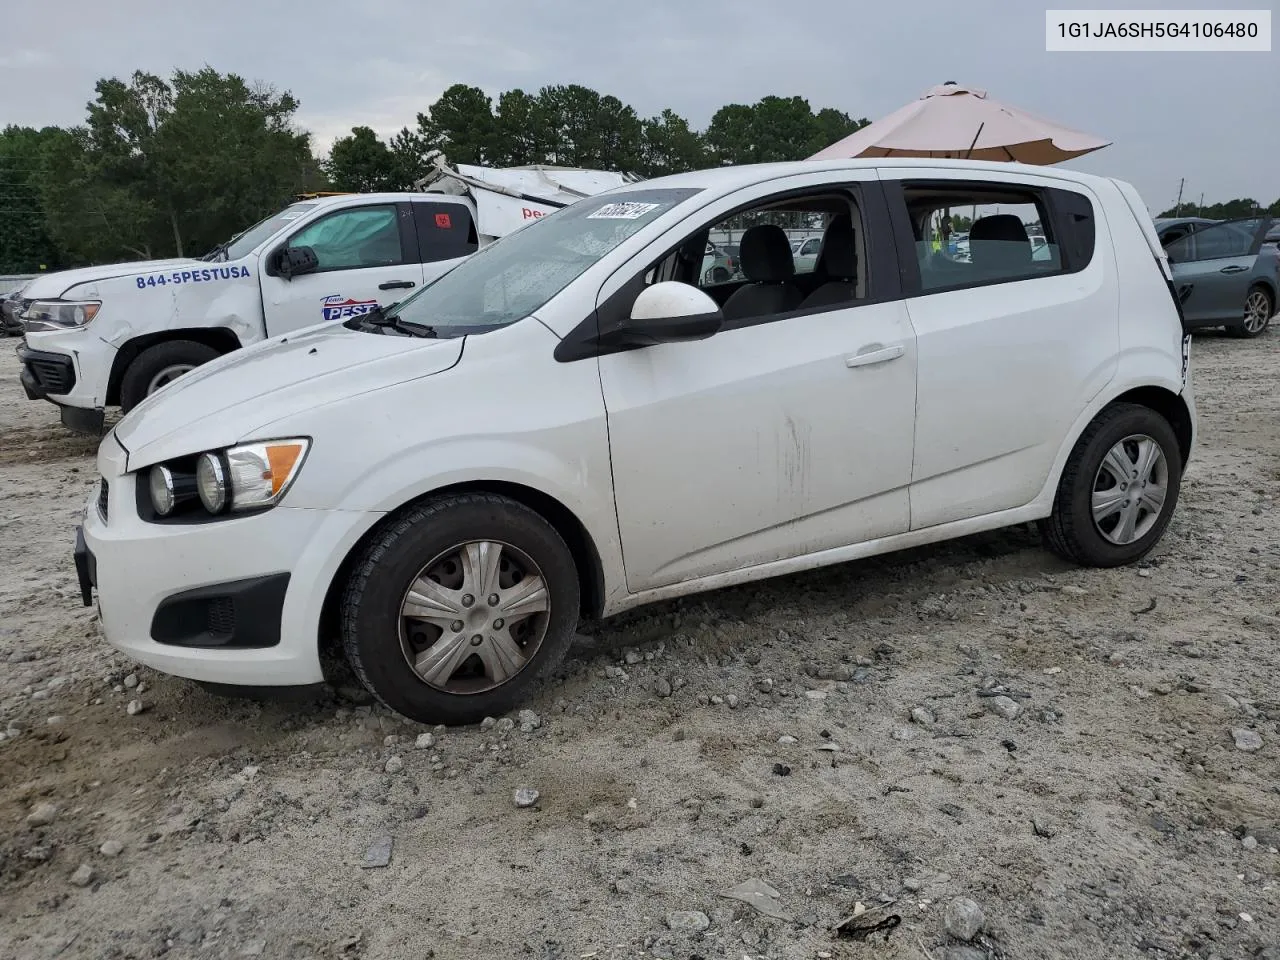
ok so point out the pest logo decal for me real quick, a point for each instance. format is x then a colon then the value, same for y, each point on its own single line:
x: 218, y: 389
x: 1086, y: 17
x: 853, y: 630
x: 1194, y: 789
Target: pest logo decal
x: 337, y: 307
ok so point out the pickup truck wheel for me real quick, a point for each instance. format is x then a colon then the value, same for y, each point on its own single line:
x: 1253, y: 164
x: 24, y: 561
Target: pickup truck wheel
x: 1118, y: 490
x: 454, y: 610
x: 160, y: 365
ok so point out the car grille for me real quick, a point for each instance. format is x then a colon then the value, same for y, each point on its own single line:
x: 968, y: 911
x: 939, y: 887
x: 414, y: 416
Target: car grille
x: 221, y: 614
x: 102, y: 498
x: 52, y: 375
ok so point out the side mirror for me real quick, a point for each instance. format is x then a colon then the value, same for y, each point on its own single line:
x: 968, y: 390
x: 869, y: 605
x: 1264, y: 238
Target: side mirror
x: 670, y: 312
x: 295, y: 261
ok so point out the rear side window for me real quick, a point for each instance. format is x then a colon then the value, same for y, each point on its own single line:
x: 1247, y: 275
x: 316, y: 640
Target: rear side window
x: 1232, y: 239
x: 967, y: 234
x: 445, y: 231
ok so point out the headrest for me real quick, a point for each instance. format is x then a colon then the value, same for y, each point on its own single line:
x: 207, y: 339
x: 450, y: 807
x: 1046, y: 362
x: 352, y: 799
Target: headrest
x: 1001, y: 226
x: 999, y: 242
x: 838, y: 259
x: 766, y: 254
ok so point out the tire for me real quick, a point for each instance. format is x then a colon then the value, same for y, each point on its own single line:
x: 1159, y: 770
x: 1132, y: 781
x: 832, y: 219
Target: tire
x: 719, y: 275
x: 1071, y: 530
x: 419, y: 546
x: 1259, y: 307
x: 139, y: 380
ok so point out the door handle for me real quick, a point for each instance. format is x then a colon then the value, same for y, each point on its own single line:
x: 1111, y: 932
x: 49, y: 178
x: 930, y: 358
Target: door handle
x: 1234, y: 268
x: 875, y: 356
x: 396, y: 285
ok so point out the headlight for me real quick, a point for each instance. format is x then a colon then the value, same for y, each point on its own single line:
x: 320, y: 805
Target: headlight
x: 59, y: 314
x: 251, y: 476
x: 170, y: 490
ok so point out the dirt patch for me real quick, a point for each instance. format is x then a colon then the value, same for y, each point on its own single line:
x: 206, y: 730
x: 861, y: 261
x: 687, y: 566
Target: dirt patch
x: 766, y: 731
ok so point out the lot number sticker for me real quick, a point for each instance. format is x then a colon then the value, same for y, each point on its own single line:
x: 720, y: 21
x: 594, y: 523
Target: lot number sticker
x: 622, y: 211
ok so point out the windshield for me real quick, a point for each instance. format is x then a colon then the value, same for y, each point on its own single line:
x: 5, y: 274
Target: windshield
x: 514, y: 276
x: 244, y: 243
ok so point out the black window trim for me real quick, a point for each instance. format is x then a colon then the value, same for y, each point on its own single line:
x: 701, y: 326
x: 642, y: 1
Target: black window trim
x: 404, y: 224
x: 884, y: 279
x: 912, y: 285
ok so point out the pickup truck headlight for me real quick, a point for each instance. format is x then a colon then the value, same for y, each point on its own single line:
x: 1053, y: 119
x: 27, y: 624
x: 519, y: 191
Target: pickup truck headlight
x: 44, y: 315
x: 246, y: 477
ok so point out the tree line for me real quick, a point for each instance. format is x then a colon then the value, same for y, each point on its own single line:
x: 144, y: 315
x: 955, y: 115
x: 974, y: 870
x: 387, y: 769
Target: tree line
x: 172, y: 167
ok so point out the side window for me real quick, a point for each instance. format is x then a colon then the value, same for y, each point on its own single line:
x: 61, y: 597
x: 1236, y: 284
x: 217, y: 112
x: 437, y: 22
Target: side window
x: 803, y: 225
x: 445, y: 231
x: 354, y: 238
x: 1008, y: 234
x: 1220, y: 241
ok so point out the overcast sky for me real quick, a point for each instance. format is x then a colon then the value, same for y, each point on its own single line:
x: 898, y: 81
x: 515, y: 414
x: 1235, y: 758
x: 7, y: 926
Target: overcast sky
x: 1211, y: 118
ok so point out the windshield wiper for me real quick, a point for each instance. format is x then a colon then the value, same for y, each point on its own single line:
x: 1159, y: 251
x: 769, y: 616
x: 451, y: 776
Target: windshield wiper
x: 377, y: 319
x: 218, y: 253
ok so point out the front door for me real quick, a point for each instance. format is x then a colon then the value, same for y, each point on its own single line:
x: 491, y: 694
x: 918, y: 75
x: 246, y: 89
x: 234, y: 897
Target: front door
x: 368, y: 256
x: 787, y: 433
x: 1211, y: 269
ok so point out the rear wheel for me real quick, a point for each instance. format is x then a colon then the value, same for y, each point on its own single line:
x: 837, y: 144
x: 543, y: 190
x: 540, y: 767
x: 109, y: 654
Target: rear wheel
x: 1259, y: 305
x: 156, y: 367
x: 1118, y: 490
x: 453, y: 612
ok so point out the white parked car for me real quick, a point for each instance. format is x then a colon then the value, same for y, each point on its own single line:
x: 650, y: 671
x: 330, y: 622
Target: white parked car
x: 567, y: 425
x: 112, y: 335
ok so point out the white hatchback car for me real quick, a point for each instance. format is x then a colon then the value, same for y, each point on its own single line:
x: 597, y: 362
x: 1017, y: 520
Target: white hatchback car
x: 567, y: 425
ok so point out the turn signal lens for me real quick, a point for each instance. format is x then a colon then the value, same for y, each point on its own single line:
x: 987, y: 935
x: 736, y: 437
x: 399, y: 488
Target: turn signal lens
x: 260, y: 473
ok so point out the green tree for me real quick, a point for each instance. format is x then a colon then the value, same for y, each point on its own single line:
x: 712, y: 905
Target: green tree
x: 669, y: 145
x: 461, y: 125
x: 775, y: 129
x: 25, y: 243
x: 173, y: 167
x: 362, y: 163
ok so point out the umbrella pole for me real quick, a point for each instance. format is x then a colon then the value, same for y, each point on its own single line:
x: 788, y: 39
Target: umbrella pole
x: 969, y: 152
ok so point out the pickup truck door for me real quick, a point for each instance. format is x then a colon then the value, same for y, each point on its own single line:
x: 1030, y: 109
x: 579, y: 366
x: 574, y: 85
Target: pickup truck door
x: 368, y: 256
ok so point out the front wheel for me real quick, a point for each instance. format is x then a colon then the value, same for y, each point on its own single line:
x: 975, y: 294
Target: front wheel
x: 1118, y: 490
x: 156, y: 367
x: 456, y: 608
x: 1258, y: 309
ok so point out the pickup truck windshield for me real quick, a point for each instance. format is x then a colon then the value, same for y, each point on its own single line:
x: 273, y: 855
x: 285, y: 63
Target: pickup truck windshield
x: 514, y: 276
x: 247, y: 241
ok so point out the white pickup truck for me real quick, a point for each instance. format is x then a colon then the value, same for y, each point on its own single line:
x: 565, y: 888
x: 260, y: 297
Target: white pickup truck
x: 111, y: 335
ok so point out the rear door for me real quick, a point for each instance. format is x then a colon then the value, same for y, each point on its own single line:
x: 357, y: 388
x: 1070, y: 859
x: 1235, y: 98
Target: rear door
x: 446, y: 234
x: 1212, y: 268
x: 1011, y: 348
x: 368, y: 256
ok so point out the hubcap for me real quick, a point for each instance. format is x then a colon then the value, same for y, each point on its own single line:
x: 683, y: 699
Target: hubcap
x: 1129, y: 489
x: 168, y: 375
x: 474, y: 617
x: 1256, y: 311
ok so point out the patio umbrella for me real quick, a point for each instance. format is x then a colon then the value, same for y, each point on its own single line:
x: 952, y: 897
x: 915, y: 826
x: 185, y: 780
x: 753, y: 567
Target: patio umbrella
x: 963, y: 122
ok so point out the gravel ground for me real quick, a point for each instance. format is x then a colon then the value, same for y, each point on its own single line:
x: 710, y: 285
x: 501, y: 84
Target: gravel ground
x: 836, y: 735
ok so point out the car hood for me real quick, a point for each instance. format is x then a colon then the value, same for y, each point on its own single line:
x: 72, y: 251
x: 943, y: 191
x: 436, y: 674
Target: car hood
x: 226, y: 400
x: 53, y: 285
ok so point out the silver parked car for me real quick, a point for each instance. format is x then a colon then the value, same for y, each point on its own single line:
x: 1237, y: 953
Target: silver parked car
x: 1225, y: 274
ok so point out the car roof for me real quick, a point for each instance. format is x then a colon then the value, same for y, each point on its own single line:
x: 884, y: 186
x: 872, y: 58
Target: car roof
x: 727, y: 178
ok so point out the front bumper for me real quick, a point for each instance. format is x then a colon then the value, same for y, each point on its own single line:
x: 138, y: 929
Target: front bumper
x: 234, y: 601
x: 71, y: 368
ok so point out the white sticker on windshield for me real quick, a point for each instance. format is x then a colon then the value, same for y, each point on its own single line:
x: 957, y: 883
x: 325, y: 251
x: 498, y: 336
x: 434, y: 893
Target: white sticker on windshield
x: 622, y: 211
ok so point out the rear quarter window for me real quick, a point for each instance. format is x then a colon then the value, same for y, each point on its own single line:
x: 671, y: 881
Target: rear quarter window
x: 445, y: 231
x: 1073, y: 215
